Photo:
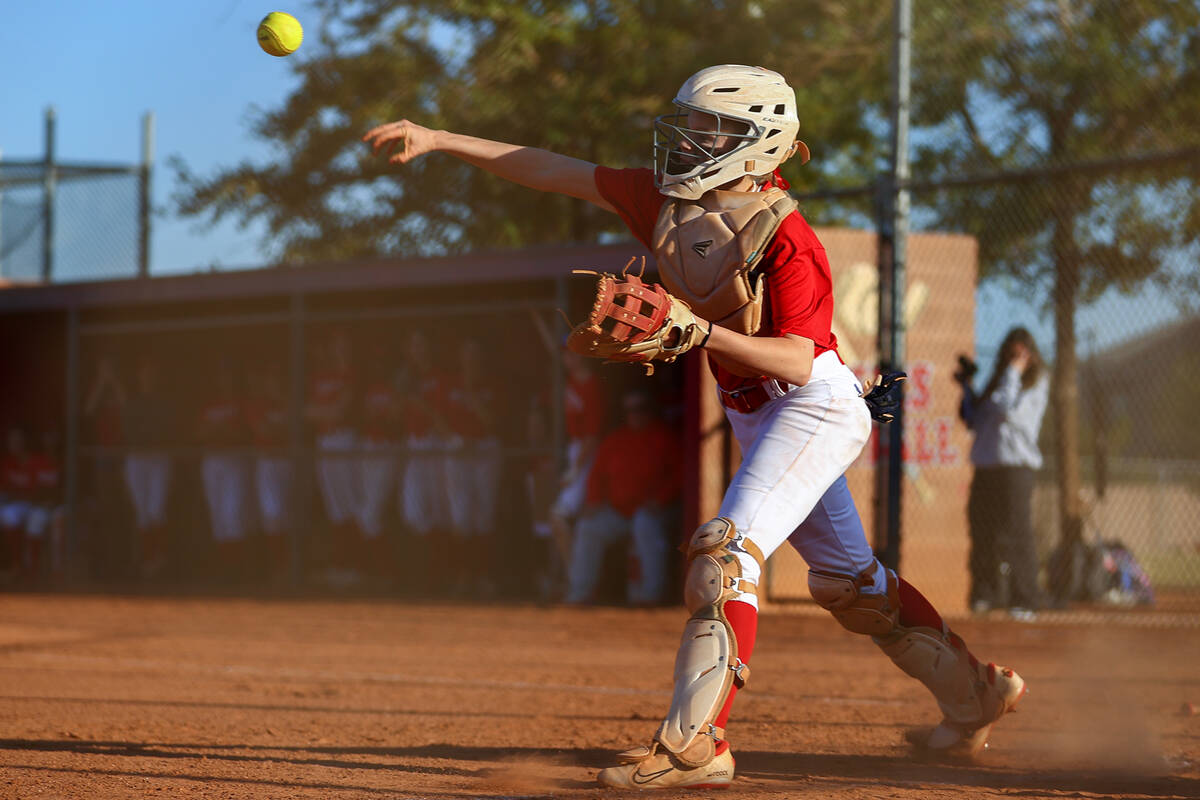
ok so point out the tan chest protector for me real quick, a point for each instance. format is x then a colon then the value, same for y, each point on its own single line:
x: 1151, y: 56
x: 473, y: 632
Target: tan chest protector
x: 707, y: 250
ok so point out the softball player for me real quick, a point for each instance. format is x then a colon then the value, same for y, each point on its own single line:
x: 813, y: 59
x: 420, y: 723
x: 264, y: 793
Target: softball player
x: 17, y: 487
x: 331, y: 395
x: 225, y: 472
x: 377, y: 464
x: 45, y: 531
x: 267, y: 415
x: 729, y: 241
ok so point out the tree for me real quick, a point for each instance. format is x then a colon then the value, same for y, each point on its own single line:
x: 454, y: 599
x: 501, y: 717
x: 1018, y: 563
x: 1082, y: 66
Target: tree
x: 1057, y: 94
x: 585, y: 78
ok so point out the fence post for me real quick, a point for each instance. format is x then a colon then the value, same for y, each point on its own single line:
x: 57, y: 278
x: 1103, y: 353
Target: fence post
x: 71, y: 442
x: 48, y: 191
x: 1, y: 214
x: 893, y: 202
x: 144, y: 204
x: 562, y: 299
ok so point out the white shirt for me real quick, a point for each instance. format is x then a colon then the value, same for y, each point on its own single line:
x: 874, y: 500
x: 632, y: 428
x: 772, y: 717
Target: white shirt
x: 1007, y: 423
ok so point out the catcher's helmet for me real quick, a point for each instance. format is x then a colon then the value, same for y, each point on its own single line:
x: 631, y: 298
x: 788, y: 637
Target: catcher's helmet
x: 755, y: 130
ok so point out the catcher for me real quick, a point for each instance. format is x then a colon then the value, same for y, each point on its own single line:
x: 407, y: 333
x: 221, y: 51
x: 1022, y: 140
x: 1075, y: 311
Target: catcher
x: 747, y: 281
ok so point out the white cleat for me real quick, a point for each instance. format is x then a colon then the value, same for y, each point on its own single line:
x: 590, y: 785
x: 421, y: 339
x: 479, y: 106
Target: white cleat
x: 999, y: 689
x: 652, y: 768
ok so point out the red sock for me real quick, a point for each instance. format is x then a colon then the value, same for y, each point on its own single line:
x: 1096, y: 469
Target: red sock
x: 917, y: 612
x: 743, y: 618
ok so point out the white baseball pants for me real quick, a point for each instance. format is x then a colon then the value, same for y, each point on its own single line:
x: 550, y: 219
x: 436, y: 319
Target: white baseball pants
x: 795, y: 449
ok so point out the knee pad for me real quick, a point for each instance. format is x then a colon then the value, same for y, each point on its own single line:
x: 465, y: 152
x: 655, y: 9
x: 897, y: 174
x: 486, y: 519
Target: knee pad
x: 707, y: 664
x: 868, y: 613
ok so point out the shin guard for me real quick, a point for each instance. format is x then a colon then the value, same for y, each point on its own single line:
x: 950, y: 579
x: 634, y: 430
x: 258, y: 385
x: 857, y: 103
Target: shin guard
x: 707, y: 664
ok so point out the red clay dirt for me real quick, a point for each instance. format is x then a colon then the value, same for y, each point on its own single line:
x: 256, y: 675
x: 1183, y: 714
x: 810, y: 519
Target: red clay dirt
x: 119, y: 697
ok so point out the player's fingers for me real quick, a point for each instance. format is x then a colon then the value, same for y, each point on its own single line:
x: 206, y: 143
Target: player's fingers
x: 378, y: 130
x: 387, y: 133
x: 388, y: 139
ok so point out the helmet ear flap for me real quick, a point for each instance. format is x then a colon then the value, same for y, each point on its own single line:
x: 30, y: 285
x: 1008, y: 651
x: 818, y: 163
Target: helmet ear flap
x: 797, y: 148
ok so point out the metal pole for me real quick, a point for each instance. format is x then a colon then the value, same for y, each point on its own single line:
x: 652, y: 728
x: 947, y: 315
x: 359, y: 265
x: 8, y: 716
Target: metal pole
x: 71, y: 435
x: 1, y: 215
x: 48, y: 189
x: 558, y: 375
x: 895, y: 205
x: 144, y: 204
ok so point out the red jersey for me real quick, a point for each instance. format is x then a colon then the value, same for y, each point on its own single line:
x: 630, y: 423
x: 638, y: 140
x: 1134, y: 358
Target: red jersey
x: 463, y: 408
x: 47, y: 476
x: 17, y: 477
x: 635, y: 467
x: 799, y: 285
x: 583, y: 408
x: 379, y: 412
x: 427, y: 397
x: 221, y: 422
x: 329, y: 392
x: 268, y: 423
x: 108, y: 428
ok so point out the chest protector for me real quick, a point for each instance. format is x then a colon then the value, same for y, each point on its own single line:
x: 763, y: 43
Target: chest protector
x: 707, y: 251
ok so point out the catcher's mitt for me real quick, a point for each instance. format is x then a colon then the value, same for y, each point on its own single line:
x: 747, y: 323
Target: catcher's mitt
x: 884, y: 395
x: 636, y: 322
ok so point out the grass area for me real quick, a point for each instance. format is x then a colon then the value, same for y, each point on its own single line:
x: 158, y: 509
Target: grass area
x: 1178, y: 569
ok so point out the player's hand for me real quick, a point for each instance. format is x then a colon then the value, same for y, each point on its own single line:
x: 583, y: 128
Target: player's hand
x: 401, y: 141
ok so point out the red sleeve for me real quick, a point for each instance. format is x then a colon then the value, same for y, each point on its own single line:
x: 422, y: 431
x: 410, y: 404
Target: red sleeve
x: 593, y: 409
x: 672, y: 478
x: 633, y: 194
x: 597, y: 485
x: 799, y: 285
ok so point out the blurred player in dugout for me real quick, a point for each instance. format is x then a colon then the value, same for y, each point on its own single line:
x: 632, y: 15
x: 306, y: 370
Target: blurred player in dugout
x: 267, y: 417
x: 140, y: 420
x: 584, y: 416
x: 329, y: 411
x: 32, y: 531
x: 223, y: 432
x: 629, y: 500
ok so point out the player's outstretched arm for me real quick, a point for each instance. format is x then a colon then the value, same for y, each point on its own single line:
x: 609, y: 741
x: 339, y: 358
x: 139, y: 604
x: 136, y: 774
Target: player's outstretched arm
x: 401, y: 142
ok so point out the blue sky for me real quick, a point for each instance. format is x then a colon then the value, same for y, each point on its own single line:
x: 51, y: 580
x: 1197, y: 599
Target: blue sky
x: 196, y: 65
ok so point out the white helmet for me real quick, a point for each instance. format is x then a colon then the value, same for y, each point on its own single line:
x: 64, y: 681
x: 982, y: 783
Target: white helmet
x: 755, y: 130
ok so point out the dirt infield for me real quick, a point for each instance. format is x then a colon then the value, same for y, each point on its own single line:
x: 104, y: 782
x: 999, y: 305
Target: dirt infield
x: 105, y: 697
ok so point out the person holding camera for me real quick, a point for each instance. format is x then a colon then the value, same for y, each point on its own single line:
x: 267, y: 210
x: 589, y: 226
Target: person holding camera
x: 1006, y: 418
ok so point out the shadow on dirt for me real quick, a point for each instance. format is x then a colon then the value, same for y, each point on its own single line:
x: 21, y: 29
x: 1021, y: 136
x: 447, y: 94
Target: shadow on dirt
x: 805, y: 769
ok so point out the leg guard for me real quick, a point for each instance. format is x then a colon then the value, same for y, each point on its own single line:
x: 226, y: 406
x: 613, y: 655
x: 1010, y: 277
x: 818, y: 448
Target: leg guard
x: 971, y: 695
x: 707, y: 664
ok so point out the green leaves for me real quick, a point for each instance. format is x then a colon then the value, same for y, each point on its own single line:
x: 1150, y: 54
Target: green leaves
x: 582, y: 78
x: 1039, y: 85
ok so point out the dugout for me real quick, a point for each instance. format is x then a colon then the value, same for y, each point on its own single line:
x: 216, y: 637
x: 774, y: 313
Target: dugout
x: 274, y: 319
x: 55, y: 336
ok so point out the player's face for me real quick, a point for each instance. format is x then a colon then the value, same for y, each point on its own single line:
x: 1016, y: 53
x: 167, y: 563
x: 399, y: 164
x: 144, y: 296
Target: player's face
x: 637, y: 411
x: 709, y: 136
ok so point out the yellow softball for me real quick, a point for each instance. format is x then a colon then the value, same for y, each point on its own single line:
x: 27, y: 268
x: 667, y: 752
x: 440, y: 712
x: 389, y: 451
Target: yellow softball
x: 280, y: 34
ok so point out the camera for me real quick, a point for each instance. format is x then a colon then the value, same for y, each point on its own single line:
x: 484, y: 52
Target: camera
x: 966, y: 369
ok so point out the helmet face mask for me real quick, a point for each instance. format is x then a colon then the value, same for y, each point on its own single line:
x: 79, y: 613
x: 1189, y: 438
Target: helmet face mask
x: 693, y: 142
x: 729, y: 122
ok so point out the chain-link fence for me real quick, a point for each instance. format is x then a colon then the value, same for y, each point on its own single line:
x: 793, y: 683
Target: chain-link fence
x: 1055, y: 164
x: 71, y: 221
x: 93, y: 219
